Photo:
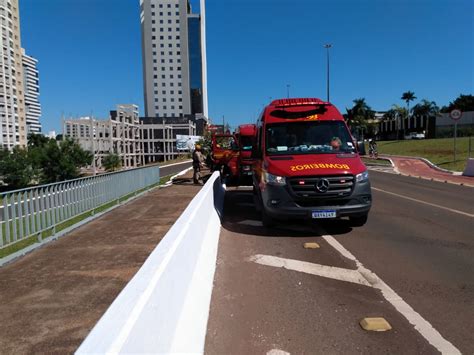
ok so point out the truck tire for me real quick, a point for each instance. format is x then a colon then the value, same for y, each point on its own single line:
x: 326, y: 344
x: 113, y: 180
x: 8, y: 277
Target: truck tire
x: 358, y: 221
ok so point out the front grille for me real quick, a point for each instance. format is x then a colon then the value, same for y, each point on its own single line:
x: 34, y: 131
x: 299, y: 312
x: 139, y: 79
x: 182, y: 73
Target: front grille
x: 305, y: 186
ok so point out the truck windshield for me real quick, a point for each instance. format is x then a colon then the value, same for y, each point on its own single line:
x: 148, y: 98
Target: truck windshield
x: 246, y: 142
x: 313, y: 137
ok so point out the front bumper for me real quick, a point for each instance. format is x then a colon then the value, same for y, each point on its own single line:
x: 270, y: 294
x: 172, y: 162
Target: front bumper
x: 281, y: 204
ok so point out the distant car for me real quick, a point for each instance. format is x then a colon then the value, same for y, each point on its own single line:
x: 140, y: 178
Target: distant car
x: 414, y: 135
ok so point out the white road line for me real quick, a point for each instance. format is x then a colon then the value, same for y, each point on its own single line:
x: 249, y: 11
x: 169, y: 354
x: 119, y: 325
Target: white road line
x: 420, y: 324
x: 424, y: 202
x: 329, y: 272
x: 277, y: 352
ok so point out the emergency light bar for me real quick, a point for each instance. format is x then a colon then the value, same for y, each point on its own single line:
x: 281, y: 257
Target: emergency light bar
x: 298, y: 102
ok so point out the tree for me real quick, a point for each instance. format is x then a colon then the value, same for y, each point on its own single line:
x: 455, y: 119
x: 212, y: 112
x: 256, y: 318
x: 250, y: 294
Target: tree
x: 425, y: 108
x: 396, y: 113
x: 16, y: 168
x: 58, y: 161
x: 360, y: 116
x: 111, y: 162
x: 463, y: 102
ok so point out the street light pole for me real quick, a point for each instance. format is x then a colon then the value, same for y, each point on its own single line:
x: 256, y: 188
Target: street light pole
x: 287, y: 91
x: 327, y: 46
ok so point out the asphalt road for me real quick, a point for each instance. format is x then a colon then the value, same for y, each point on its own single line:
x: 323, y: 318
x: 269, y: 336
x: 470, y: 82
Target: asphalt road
x: 419, y: 242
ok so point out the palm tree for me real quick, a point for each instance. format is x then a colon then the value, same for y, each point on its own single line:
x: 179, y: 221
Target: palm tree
x: 407, y: 97
x: 360, y: 114
x: 427, y: 109
x: 396, y: 113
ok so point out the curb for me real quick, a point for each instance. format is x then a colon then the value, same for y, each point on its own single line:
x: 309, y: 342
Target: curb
x: 432, y: 165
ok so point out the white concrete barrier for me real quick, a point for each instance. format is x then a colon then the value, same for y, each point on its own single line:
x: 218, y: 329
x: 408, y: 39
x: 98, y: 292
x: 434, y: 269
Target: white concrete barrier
x: 469, y: 170
x: 165, y: 307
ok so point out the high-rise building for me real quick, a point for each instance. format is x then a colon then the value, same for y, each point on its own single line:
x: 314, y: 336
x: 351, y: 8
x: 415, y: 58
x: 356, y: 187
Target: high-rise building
x: 174, y: 58
x: 31, y: 89
x: 13, y: 129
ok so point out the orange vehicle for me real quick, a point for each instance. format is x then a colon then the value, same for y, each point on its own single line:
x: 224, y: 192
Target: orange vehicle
x: 307, y: 164
x: 225, y: 154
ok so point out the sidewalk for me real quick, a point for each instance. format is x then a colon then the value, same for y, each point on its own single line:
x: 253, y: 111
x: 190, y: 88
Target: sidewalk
x: 419, y: 168
x: 51, y: 298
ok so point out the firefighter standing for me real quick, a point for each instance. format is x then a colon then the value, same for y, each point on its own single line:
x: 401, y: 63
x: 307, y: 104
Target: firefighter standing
x: 198, y: 160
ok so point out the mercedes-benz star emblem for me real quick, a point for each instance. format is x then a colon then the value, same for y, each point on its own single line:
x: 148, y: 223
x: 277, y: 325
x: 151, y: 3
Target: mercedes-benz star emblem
x: 322, y: 185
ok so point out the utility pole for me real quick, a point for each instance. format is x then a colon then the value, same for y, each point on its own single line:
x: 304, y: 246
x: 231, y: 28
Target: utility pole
x: 287, y: 91
x: 327, y: 46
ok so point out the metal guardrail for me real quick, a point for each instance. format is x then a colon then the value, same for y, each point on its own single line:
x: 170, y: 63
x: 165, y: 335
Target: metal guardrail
x: 33, y: 211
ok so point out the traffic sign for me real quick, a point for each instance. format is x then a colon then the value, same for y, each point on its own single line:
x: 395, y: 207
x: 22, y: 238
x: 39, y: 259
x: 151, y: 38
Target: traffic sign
x: 455, y: 114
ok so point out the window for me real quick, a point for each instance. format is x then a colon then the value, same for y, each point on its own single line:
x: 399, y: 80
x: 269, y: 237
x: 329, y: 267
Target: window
x: 170, y: 45
x: 179, y: 76
x: 153, y: 21
x: 180, y: 100
x: 163, y: 76
x: 180, y: 92
x: 160, y: 6
x: 177, y: 5
x: 153, y: 37
x: 161, y: 29
x: 164, y: 99
x: 178, y: 45
x: 161, y: 13
x: 162, y: 53
x: 172, y: 107
x: 170, y: 37
x: 152, y: 14
x: 177, y: 37
x: 170, y: 29
x: 172, y: 99
x: 152, y: 6
x: 171, y: 76
x: 154, y: 60
x: 161, y: 21
x: 172, y: 92
x: 164, y: 92
x: 155, y: 76
x: 177, y: 13
x: 177, y: 21
x: 169, y: 21
x: 180, y: 107
x: 169, y: 13
x: 163, y: 68
x: 156, y: 92
x: 162, y: 37
x: 153, y: 45
x: 171, y: 60
x: 156, y: 99
x: 169, y: 5
x: 162, y: 45
x: 162, y: 60
x: 179, y: 68
x: 171, y: 84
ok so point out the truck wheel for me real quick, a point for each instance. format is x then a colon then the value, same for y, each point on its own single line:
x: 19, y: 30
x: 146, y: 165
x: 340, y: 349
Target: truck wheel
x: 267, y: 221
x: 358, y: 221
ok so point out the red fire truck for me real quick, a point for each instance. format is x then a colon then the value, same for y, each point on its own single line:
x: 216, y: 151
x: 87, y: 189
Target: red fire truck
x: 307, y: 165
x: 246, y: 135
x: 225, y: 154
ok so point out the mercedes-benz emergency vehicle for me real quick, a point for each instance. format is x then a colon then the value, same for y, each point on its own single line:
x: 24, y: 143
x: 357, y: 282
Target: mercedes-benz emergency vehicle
x: 307, y: 165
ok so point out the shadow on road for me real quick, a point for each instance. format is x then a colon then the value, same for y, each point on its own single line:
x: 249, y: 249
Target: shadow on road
x: 241, y: 216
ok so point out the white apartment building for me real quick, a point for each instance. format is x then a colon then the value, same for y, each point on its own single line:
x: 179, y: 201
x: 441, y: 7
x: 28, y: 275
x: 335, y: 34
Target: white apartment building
x: 31, y: 89
x: 174, y: 58
x: 13, y: 129
x: 120, y: 134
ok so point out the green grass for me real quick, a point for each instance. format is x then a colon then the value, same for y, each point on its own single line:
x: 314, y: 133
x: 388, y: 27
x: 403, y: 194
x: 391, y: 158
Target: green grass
x: 438, y: 151
x: 70, y: 222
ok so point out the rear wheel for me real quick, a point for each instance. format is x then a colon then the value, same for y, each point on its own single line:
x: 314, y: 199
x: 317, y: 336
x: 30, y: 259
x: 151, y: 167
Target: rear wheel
x: 358, y: 221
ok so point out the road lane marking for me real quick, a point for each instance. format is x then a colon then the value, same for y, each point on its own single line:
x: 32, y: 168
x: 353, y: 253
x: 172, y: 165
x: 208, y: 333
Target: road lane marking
x: 424, y: 202
x: 330, y: 272
x: 421, y: 325
x: 277, y: 352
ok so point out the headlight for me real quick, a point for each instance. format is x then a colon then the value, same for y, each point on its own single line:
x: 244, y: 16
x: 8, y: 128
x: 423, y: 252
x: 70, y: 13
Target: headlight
x: 362, y: 177
x: 275, y: 179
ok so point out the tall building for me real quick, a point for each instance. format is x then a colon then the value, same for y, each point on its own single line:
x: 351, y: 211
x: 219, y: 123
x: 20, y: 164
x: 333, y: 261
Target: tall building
x: 31, y: 89
x: 13, y: 129
x: 174, y: 58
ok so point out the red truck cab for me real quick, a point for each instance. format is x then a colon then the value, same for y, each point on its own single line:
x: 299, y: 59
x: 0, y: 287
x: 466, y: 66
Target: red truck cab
x: 246, y: 135
x: 307, y: 165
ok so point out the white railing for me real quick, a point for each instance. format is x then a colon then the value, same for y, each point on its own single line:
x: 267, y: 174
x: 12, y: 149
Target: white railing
x: 38, y: 211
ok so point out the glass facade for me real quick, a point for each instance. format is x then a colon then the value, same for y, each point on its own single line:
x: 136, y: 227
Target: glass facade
x: 195, y: 63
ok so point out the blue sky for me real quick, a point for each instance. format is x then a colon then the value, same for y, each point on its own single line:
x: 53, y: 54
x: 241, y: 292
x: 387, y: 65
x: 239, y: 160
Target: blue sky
x: 90, y: 53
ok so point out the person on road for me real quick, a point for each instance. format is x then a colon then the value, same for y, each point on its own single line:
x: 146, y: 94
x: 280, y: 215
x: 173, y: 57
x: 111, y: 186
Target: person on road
x: 373, y: 148
x: 198, y: 161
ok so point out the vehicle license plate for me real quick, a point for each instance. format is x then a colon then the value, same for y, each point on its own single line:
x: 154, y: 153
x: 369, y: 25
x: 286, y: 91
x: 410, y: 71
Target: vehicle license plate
x: 324, y: 214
